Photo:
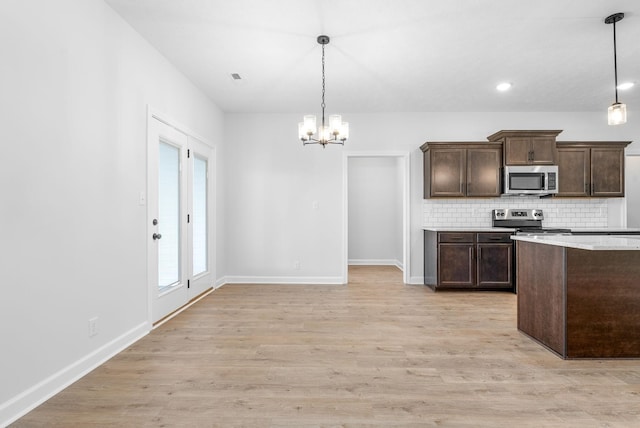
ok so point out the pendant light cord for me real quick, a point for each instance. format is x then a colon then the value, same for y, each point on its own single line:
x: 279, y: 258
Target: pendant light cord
x: 615, y: 60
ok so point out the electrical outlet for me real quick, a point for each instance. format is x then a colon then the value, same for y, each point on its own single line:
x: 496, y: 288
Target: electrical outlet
x: 93, y: 326
x: 296, y: 265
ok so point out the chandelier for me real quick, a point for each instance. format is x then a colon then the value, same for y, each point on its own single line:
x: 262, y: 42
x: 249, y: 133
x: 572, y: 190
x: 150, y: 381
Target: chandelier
x: 335, y: 132
x: 617, y: 112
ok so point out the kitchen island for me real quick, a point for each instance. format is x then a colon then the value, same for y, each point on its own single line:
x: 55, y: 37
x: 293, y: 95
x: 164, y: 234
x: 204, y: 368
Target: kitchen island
x: 579, y: 296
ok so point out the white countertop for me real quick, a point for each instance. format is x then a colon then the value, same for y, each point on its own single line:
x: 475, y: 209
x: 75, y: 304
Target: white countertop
x: 631, y: 230
x: 467, y: 229
x: 587, y: 242
x: 605, y: 230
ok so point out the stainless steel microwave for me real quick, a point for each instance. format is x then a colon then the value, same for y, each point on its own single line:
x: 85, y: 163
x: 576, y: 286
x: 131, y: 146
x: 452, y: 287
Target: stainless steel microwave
x: 531, y: 180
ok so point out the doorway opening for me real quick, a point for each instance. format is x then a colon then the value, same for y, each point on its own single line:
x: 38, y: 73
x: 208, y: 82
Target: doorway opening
x: 376, y: 211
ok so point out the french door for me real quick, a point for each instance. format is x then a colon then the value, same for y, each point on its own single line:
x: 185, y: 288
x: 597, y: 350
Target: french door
x: 180, y: 256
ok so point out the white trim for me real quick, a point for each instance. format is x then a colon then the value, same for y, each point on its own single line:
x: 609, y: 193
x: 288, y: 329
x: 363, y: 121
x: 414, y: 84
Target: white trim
x: 417, y: 280
x: 300, y: 280
x: 20, y: 405
x: 406, y: 205
x: 220, y: 282
x: 167, y: 120
x: 183, y: 308
x: 376, y: 262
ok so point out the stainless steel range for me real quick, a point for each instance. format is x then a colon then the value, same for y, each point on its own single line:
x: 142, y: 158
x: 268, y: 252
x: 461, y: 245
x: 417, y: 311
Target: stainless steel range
x: 526, y: 222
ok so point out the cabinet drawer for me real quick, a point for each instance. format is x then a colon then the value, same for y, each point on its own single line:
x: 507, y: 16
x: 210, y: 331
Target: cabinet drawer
x: 494, y: 237
x: 456, y: 237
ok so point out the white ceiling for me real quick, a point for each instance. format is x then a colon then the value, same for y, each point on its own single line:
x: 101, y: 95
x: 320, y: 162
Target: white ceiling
x: 397, y: 55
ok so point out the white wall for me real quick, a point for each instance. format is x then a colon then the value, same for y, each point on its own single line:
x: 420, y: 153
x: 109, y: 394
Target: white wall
x: 75, y: 82
x: 375, y: 210
x: 271, y: 220
x: 632, y: 165
x: 283, y: 201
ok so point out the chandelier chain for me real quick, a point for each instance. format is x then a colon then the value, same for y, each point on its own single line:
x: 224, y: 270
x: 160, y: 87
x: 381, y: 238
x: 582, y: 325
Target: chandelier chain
x: 323, y: 86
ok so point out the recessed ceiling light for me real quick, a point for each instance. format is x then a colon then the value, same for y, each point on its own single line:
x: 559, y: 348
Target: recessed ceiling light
x: 504, y: 86
x: 626, y: 85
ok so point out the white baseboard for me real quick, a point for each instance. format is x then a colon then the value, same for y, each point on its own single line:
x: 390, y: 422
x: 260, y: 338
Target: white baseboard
x: 220, y: 282
x: 376, y: 262
x: 419, y: 280
x: 302, y: 280
x: 26, y: 401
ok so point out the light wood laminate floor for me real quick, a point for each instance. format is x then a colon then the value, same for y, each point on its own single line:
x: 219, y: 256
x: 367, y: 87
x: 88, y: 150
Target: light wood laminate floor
x: 374, y: 353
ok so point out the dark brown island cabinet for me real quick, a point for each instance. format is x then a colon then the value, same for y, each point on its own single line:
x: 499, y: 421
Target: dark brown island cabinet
x: 462, y: 169
x: 528, y: 147
x: 579, y: 303
x: 591, y: 169
x: 468, y: 260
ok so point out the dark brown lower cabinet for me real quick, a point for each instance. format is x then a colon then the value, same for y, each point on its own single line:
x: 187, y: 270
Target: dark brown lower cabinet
x: 495, y: 265
x: 456, y: 265
x: 468, y: 260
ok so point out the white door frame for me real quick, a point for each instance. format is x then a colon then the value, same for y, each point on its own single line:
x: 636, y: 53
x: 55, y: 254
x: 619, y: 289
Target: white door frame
x: 153, y: 114
x: 406, y: 209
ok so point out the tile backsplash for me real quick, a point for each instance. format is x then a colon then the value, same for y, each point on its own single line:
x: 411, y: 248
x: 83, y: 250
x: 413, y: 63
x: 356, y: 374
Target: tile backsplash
x: 576, y: 213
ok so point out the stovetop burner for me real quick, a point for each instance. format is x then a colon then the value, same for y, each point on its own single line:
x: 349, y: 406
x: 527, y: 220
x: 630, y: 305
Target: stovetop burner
x: 542, y: 231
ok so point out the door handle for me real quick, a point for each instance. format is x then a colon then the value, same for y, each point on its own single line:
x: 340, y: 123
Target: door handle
x: 156, y: 236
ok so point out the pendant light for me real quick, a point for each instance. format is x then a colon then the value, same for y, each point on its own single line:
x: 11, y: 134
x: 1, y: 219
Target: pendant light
x: 617, y: 113
x: 335, y: 132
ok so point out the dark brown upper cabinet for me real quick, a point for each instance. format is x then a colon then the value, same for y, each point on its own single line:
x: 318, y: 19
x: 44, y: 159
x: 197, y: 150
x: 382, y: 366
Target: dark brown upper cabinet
x: 591, y: 169
x: 528, y: 147
x: 462, y: 169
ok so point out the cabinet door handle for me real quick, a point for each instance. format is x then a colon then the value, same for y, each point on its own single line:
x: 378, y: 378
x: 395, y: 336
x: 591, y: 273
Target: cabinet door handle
x: 593, y: 188
x: 586, y: 188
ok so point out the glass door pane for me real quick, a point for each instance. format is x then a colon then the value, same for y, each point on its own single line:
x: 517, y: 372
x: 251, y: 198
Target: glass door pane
x: 199, y: 220
x: 168, y: 216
